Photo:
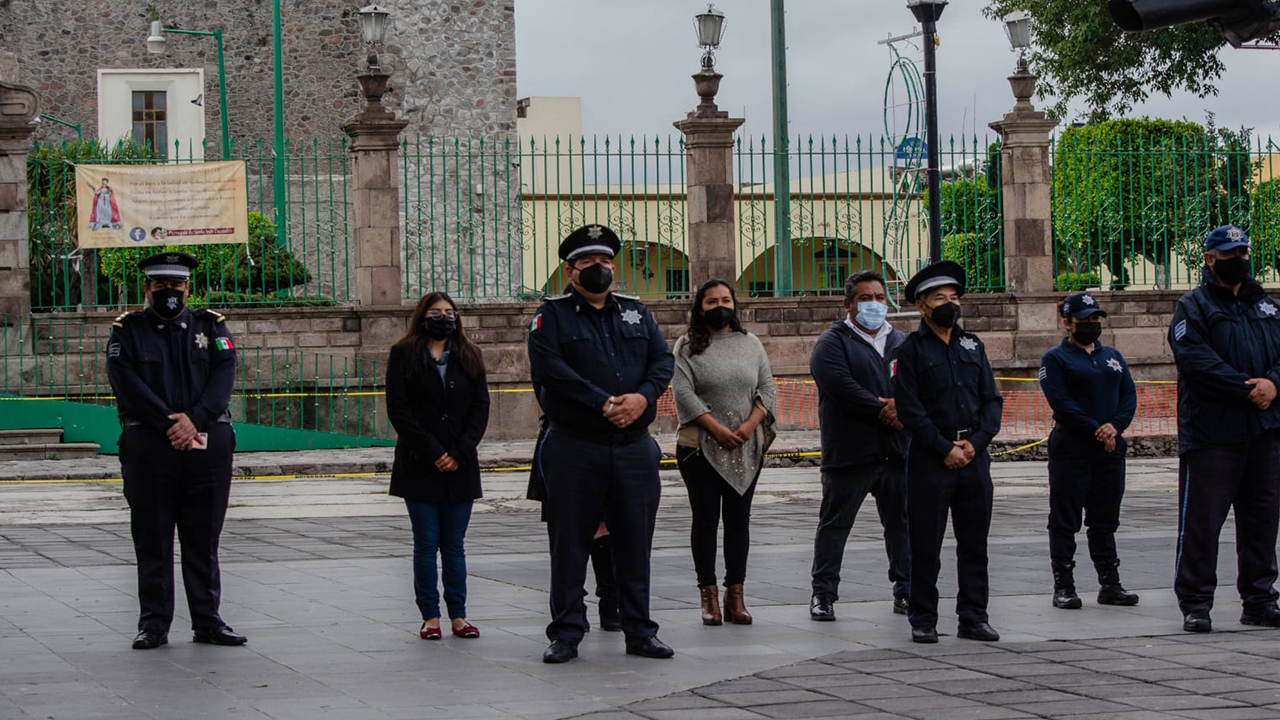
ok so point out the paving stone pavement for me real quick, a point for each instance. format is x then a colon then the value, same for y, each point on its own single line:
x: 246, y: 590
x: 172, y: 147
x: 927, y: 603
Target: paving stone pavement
x: 317, y: 573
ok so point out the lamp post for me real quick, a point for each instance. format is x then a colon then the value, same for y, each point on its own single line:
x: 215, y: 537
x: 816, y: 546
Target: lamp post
x: 710, y: 28
x: 373, y: 81
x: 156, y: 45
x: 927, y: 13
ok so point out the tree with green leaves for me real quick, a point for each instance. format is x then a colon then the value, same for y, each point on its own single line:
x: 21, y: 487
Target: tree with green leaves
x: 972, y: 230
x: 1080, y: 54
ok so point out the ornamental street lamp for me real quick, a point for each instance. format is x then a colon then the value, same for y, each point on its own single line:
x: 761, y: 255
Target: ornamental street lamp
x: 710, y: 27
x: 927, y: 13
x: 156, y: 43
x: 373, y: 81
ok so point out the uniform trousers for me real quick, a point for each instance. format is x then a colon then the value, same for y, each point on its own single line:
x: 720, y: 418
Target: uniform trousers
x: 843, y: 491
x: 1244, y: 477
x: 588, y: 480
x: 932, y: 492
x: 187, y: 490
x: 1086, y: 485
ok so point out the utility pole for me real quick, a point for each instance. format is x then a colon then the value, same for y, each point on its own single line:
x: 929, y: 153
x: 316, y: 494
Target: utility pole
x: 781, y: 154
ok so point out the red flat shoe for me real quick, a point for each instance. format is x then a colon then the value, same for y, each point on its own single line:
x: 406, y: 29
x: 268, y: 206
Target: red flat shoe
x: 467, y: 631
x: 429, y: 633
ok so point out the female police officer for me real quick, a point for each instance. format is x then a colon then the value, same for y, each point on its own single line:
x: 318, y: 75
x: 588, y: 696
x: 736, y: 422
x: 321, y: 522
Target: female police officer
x: 1093, y: 399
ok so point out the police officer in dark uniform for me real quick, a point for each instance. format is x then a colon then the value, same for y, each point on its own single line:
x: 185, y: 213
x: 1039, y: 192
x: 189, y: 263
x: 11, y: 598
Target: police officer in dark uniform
x: 601, y: 364
x: 172, y: 370
x: 1089, y: 387
x: 947, y: 400
x: 1225, y: 337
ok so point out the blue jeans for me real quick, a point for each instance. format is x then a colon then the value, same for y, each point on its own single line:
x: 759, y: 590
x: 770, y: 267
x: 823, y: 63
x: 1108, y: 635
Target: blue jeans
x: 442, y: 528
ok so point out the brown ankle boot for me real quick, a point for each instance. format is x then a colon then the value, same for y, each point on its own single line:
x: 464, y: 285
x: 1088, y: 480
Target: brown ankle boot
x: 735, y: 607
x: 711, y: 605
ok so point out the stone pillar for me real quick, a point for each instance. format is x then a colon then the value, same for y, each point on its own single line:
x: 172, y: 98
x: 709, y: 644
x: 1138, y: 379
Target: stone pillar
x: 18, y: 106
x: 1028, y: 215
x: 375, y: 147
x: 708, y: 133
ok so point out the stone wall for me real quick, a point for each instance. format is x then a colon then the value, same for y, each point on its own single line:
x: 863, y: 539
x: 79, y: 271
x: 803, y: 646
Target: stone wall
x: 1016, y: 331
x: 453, y: 61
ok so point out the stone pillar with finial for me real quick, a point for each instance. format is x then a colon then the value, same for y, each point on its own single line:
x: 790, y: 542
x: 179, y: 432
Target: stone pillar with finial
x: 1025, y: 184
x: 375, y: 147
x: 19, y: 105
x: 708, y: 142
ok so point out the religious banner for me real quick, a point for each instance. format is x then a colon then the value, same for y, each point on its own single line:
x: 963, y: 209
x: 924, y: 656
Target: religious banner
x: 173, y: 204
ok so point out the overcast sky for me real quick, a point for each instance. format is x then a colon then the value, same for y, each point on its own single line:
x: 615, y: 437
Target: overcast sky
x: 630, y: 62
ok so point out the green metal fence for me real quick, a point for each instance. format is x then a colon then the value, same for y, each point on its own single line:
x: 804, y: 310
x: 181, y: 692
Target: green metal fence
x: 1132, y: 212
x: 484, y: 220
x: 46, y: 358
x: 859, y: 204
x: 307, y: 262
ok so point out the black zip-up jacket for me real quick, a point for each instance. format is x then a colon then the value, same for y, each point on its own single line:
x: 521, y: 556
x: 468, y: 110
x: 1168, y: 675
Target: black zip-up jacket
x: 943, y: 388
x: 1219, y: 341
x: 851, y: 376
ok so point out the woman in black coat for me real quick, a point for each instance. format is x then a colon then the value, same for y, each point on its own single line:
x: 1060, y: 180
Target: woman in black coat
x: 438, y: 402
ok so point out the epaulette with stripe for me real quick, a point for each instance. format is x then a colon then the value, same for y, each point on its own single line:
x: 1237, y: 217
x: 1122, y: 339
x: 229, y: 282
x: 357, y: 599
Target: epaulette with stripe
x: 551, y: 298
x: 119, y: 321
x: 217, y: 316
x: 626, y: 297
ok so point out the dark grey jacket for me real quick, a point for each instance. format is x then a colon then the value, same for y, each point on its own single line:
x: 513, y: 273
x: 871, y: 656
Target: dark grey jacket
x: 851, y: 375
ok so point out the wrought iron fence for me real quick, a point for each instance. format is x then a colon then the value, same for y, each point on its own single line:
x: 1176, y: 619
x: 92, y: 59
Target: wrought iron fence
x: 1133, y: 212
x: 306, y: 262
x: 860, y: 204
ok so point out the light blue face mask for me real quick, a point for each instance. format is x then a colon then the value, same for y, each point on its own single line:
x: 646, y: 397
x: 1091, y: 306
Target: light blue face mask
x: 871, y: 315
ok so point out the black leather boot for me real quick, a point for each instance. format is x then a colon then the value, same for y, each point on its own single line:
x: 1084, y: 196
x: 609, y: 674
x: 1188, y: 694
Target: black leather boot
x: 1064, y: 586
x: 1110, y: 591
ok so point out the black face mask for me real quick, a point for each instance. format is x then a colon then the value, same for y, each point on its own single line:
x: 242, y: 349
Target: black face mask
x: 440, y: 328
x: 718, y: 318
x: 168, y: 303
x: 946, y: 315
x: 1232, y: 270
x: 596, y: 279
x: 1087, y: 333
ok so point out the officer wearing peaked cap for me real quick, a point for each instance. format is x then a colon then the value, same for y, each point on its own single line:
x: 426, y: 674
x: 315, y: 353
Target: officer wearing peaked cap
x: 947, y: 400
x: 1089, y: 387
x: 172, y: 370
x: 1225, y: 336
x: 599, y: 363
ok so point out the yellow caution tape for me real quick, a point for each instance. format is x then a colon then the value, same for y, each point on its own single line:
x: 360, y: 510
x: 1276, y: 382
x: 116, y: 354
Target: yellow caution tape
x: 1020, y: 448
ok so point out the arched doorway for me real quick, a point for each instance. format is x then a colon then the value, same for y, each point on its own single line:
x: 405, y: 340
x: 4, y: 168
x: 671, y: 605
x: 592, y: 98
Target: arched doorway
x: 649, y: 270
x: 819, y: 266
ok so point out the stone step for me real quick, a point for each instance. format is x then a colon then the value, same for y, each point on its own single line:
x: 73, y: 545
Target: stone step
x: 30, y: 436
x: 49, y: 451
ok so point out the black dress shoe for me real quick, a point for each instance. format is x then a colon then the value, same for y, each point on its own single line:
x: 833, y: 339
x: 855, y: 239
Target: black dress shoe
x: 1197, y: 621
x: 150, y: 640
x: 977, y: 631
x: 1266, y: 616
x: 650, y: 647
x: 221, y: 635
x: 822, y: 608
x: 927, y: 634
x: 901, y: 606
x: 560, y: 651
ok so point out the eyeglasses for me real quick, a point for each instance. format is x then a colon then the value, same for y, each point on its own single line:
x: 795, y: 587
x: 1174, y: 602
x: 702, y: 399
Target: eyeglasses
x: 437, y: 314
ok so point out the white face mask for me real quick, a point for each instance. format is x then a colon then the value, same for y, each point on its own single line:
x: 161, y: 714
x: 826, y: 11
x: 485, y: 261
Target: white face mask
x: 871, y: 315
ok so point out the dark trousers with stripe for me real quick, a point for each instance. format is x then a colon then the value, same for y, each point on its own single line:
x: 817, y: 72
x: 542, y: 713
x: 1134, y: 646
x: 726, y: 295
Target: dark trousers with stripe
x: 587, y: 481
x: 1244, y: 477
x: 933, y: 492
x: 843, y: 491
x: 1086, y: 485
x: 186, y: 490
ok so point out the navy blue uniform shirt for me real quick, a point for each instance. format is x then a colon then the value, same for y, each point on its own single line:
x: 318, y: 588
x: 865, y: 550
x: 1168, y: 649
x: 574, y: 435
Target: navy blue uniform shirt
x: 1219, y: 341
x: 1088, y: 390
x: 158, y: 367
x: 942, y: 388
x: 580, y: 356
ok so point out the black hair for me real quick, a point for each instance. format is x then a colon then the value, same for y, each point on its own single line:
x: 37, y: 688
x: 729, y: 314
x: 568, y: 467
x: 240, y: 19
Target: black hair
x: 467, y: 352
x: 698, y: 332
x: 851, y: 285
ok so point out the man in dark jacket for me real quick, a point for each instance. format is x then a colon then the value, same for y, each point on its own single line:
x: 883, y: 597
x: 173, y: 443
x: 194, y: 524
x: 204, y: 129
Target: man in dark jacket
x: 862, y: 440
x: 948, y: 401
x: 1225, y: 337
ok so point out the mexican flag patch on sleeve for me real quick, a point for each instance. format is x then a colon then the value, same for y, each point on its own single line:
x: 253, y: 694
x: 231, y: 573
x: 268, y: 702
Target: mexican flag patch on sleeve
x: 223, y: 343
x: 537, y: 322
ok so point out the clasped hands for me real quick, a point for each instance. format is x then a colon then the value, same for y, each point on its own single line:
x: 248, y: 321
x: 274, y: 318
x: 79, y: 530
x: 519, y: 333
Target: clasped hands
x: 182, y: 433
x: 889, y: 413
x: 1263, y: 393
x: 622, y: 410
x: 962, y: 453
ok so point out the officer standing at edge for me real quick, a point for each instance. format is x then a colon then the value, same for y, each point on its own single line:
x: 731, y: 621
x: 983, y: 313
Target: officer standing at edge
x: 947, y: 400
x: 172, y: 371
x: 1089, y: 387
x: 601, y: 363
x: 1225, y: 337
